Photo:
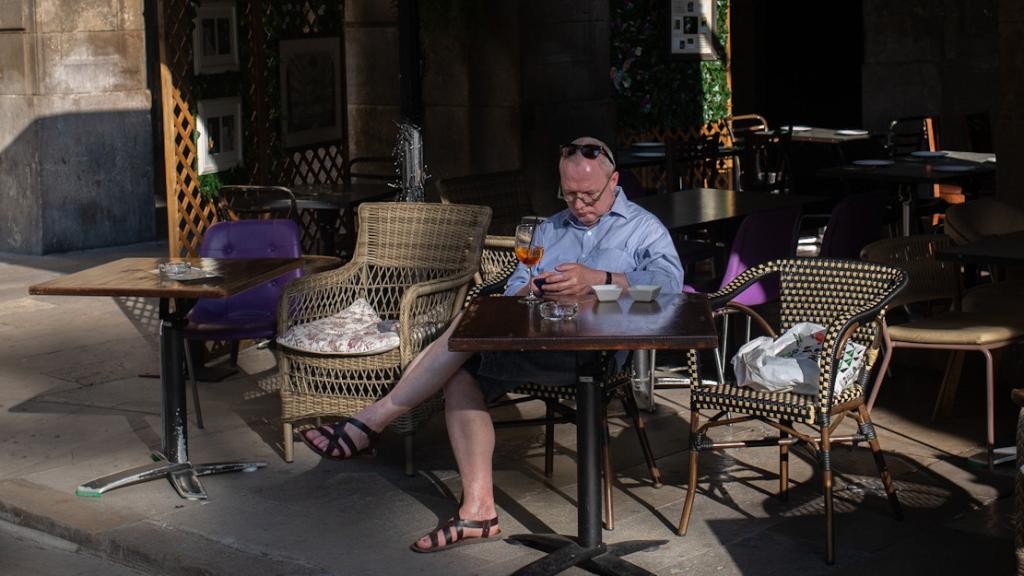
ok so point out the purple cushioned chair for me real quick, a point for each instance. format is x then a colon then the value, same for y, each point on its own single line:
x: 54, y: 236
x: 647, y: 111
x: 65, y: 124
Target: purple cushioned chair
x: 251, y: 315
x: 762, y: 237
x: 855, y: 222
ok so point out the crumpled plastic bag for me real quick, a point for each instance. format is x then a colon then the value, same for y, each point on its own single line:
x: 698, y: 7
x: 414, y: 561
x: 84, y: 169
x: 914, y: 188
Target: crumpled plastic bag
x: 789, y: 363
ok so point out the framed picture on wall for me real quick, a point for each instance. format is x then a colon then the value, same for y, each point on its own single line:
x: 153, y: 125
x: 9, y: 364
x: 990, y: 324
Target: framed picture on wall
x: 215, y: 38
x: 691, y: 30
x: 311, y: 91
x: 220, y: 134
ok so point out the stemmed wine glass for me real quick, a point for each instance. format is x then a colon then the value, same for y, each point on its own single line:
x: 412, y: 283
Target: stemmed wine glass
x: 529, y: 253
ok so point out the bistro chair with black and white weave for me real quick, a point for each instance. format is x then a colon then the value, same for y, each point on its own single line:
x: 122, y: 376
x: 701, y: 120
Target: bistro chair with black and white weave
x: 847, y: 297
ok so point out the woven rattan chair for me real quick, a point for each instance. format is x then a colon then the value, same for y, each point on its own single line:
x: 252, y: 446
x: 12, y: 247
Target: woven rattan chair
x: 930, y: 279
x: 845, y: 296
x: 497, y: 263
x: 413, y: 263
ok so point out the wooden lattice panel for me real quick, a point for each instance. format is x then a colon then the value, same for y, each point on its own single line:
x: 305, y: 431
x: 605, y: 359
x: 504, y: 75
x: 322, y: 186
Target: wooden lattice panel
x: 194, y: 213
x: 262, y: 23
x: 656, y: 176
x: 321, y: 165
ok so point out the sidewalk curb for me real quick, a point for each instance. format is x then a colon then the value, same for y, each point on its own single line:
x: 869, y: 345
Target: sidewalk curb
x: 139, y: 543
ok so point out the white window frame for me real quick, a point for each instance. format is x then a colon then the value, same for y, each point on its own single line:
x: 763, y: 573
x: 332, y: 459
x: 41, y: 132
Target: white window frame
x: 210, y: 163
x: 210, y: 10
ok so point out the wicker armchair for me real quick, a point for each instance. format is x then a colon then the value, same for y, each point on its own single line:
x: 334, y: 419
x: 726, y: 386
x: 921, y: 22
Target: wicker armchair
x: 413, y: 263
x: 848, y: 298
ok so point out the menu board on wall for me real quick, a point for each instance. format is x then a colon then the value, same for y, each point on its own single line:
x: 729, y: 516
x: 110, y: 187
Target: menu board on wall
x: 691, y: 32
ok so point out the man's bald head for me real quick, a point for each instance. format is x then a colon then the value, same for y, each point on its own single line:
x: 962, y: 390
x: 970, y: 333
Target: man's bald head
x: 605, y: 163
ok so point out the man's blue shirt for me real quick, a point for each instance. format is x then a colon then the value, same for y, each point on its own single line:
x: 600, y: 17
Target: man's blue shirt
x: 626, y: 239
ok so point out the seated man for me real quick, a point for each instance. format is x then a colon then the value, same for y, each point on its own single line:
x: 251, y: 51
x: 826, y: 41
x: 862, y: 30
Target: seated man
x: 600, y: 238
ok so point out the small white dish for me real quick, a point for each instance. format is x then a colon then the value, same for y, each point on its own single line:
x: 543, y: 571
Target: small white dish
x: 873, y: 162
x: 848, y: 132
x: 929, y: 153
x: 607, y: 292
x: 644, y: 292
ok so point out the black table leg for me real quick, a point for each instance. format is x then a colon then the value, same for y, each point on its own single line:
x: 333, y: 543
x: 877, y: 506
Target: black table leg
x: 172, y: 462
x: 586, y: 550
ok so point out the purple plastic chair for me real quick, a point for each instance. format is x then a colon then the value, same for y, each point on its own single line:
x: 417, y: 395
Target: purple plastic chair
x: 251, y: 315
x: 855, y: 222
x: 762, y: 237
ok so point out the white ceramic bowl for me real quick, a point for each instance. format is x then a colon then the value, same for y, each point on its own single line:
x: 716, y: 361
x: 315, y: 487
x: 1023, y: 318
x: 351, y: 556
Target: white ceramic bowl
x: 644, y: 292
x: 607, y: 292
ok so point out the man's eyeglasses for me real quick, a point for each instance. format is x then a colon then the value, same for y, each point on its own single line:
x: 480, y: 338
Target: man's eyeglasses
x: 587, y: 199
x: 589, y: 151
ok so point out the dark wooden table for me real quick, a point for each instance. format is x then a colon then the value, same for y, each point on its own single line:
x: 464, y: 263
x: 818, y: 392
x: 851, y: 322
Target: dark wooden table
x: 1006, y: 250
x: 702, y: 206
x: 645, y: 156
x: 909, y: 172
x: 673, y: 321
x: 828, y: 136
x: 136, y: 277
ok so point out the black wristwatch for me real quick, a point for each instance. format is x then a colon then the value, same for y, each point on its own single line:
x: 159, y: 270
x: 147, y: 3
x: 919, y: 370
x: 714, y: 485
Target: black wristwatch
x: 607, y: 277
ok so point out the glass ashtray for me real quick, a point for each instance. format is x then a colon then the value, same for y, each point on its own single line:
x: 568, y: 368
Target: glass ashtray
x: 553, y: 310
x: 171, y: 269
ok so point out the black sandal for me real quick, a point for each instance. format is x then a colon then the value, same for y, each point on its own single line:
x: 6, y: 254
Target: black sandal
x: 453, y: 541
x: 336, y: 432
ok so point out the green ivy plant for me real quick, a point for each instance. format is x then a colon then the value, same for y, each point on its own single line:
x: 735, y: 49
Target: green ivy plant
x: 653, y: 91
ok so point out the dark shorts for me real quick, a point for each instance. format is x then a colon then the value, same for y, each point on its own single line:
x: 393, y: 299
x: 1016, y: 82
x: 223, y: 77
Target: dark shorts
x: 498, y: 373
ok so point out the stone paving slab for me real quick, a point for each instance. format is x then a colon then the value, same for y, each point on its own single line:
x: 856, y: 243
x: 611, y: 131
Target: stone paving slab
x: 72, y: 407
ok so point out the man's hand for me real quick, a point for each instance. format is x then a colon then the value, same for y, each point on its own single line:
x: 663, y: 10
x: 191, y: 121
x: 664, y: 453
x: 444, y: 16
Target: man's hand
x: 571, y: 280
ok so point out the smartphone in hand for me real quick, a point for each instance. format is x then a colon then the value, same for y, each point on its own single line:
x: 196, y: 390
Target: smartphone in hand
x: 538, y: 283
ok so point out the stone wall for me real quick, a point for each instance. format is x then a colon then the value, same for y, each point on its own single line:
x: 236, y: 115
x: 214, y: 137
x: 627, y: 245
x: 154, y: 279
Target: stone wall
x: 472, y: 92
x: 372, y: 77
x: 76, y: 164
x: 930, y: 57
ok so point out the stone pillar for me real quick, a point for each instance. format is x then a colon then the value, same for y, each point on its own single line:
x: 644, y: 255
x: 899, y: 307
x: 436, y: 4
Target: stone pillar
x: 566, y: 88
x: 75, y: 137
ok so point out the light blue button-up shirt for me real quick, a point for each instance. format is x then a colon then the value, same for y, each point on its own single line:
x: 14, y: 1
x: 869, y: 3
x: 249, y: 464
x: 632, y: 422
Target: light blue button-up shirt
x: 627, y: 239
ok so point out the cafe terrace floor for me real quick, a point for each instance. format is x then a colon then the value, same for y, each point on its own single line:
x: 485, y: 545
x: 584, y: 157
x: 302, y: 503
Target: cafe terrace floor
x: 73, y: 406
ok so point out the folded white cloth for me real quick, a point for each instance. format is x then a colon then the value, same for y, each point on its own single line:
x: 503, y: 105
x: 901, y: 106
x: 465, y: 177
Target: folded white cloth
x: 356, y: 330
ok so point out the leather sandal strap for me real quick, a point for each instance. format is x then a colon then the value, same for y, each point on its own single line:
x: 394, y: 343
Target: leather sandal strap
x: 332, y: 440
x: 484, y: 525
x: 338, y: 432
x: 371, y: 434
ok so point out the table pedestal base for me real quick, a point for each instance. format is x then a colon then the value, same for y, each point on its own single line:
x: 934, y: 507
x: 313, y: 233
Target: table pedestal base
x: 564, y: 552
x: 184, y: 476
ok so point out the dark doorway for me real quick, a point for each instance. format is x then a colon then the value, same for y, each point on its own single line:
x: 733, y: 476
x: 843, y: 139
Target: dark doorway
x: 798, y: 61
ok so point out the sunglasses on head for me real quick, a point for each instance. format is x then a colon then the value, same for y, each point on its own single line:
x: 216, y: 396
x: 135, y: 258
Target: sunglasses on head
x: 589, y: 151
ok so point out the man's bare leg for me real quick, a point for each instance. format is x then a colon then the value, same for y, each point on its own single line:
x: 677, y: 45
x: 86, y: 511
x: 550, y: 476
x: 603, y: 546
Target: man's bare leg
x: 423, y: 378
x: 471, y: 433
